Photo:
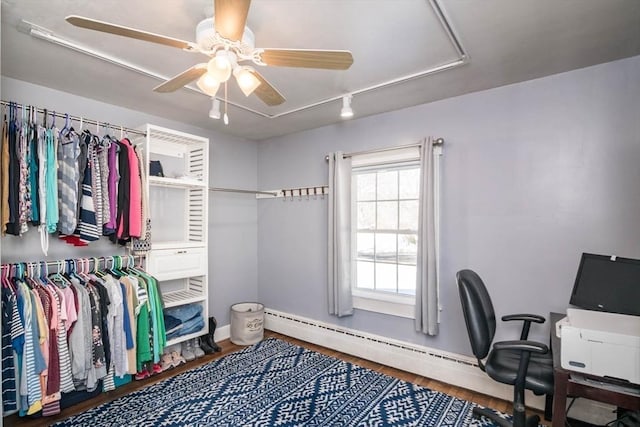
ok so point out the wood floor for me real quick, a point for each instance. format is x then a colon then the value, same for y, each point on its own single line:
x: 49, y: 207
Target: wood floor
x: 228, y: 347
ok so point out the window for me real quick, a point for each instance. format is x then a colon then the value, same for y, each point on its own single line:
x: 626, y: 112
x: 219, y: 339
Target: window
x: 385, y: 196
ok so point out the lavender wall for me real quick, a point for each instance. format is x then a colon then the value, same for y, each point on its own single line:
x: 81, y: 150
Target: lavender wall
x: 533, y: 175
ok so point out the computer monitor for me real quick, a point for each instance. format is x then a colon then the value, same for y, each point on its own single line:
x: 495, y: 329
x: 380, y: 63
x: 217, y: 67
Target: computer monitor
x: 607, y: 283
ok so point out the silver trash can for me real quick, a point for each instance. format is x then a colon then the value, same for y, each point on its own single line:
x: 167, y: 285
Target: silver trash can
x: 247, y: 323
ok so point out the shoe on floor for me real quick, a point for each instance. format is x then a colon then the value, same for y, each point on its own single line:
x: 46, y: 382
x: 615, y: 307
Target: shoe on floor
x: 197, y: 350
x: 187, y: 351
x: 166, y: 362
x: 142, y: 375
x: 177, y: 359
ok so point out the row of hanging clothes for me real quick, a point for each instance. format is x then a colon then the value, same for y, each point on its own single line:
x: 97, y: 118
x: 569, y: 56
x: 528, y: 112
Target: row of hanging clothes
x: 86, y: 327
x: 77, y: 185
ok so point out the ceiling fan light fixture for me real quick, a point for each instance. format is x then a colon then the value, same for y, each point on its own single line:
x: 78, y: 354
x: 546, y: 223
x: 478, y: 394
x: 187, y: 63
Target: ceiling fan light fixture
x: 214, y: 113
x: 247, y: 81
x: 347, y: 111
x: 208, y: 84
x: 220, y: 66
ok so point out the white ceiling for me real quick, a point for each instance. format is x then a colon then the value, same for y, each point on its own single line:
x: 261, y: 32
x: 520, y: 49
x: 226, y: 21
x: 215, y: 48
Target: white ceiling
x: 506, y: 41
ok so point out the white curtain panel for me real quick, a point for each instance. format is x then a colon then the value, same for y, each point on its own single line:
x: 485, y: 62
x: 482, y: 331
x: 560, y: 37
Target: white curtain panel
x: 339, y: 241
x: 426, y: 309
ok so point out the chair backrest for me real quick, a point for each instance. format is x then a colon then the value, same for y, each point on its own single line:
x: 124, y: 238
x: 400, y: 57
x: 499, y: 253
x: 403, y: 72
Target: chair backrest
x: 478, y: 312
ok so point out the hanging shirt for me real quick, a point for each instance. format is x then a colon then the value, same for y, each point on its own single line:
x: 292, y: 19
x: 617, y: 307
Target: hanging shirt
x: 4, y: 178
x: 112, y: 184
x: 42, y: 189
x: 34, y: 173
x: 135, y: 197
x: 85, y: 140
x: 52, y: 180
x: 25, y: 187
x: 103, y: 160
x: 80, y: 342
x: 88, y: 226
x: 8, y: 366
x: 122, y: 219
x: 98, y: 366
x: 13, y: 225
x: 116, y: 327
x: 66, y: 378
x: 68, y: 176
x: 96, y: 181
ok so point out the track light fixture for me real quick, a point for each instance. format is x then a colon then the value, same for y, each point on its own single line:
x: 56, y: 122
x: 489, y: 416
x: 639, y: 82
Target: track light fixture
x: 347, y: 111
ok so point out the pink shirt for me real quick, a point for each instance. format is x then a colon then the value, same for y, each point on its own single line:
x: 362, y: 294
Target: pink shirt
x: 135, y: 195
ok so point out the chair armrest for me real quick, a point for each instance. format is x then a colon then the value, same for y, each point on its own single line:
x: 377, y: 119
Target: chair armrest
x: 530, y: 346
x: 526, y: 317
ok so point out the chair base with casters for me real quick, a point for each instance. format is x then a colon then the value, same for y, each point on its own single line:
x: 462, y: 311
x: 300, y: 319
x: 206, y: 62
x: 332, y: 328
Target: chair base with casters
x: 522, y: 363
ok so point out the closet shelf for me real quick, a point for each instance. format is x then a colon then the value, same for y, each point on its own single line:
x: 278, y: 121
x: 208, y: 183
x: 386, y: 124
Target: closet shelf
x: 176, y: 182
x: 182, y: 297
x: 186, y: 337
x: 176, y: 245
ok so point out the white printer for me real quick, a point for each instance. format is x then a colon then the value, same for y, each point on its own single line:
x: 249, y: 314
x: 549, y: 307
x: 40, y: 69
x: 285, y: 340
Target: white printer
x: 601, y: 344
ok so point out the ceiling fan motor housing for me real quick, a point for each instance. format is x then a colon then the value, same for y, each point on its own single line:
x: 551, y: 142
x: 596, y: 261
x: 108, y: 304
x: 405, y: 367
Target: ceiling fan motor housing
x: 208, y: 39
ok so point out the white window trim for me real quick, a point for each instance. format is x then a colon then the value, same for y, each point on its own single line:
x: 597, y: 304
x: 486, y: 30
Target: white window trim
x: 377, y: 301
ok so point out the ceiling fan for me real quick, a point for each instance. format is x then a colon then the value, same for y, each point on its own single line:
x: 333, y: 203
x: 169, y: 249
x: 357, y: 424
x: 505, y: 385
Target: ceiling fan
x: 229, y: 44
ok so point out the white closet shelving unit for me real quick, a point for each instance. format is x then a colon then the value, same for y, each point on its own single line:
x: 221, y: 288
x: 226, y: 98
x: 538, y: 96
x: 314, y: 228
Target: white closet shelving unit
x: 178, y: 204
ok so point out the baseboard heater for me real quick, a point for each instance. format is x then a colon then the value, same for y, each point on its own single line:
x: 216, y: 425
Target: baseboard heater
x: 451, y: 368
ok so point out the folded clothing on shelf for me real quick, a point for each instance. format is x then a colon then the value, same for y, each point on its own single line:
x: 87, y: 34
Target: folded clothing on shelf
x: 183, y: 320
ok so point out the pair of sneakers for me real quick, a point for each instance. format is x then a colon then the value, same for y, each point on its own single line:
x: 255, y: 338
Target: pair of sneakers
x: 191, y: 349
x: 171, y: 360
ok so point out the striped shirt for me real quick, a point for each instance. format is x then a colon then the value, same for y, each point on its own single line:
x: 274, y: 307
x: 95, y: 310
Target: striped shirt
x: 8, y: 366
x: 68, y: 176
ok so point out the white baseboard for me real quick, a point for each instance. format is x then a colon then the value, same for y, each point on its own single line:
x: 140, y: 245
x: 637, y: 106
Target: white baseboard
x: 222, y: 333
x: 459, y: 370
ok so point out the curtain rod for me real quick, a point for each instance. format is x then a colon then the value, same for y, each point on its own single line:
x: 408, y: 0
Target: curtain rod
x: 76, y: 118
x: 234, y: 190
x: 437, y: 141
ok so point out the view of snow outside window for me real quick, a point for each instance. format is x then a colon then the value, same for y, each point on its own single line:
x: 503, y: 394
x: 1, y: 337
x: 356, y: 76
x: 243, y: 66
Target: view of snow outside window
x: 386, y: 235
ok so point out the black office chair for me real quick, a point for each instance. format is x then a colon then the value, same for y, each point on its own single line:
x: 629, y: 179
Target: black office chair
x: 522, y: 363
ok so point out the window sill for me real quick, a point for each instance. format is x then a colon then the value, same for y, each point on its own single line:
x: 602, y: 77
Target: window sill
x: 394, y: 305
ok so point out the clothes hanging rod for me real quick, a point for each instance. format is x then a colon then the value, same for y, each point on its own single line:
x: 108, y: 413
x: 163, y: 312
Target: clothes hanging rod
x: 76, y: 118
x: 234, y: 190
x: 437, y: 141
x: 61, y: 263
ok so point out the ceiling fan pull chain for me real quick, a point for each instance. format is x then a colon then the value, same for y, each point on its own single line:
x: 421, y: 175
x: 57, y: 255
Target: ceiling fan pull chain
x: 226, y: 105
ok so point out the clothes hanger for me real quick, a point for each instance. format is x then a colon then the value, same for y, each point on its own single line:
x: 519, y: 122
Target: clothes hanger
x: 98, y: 272
x: 58, y: 277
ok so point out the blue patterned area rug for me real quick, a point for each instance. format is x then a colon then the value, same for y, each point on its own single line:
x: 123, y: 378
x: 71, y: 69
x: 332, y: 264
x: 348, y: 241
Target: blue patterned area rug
x: 274, y: 383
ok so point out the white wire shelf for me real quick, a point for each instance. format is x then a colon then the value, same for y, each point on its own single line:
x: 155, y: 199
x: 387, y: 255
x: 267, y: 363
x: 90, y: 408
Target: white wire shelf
x: 162, y: 181
x: 182, y: 297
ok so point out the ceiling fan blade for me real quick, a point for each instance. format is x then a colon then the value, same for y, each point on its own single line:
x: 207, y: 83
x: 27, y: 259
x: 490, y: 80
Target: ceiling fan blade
x: 231, y: 17
x: 267, y: 93
x: 182, y: 79
x: 105, y: 27
x: 308, y: 58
